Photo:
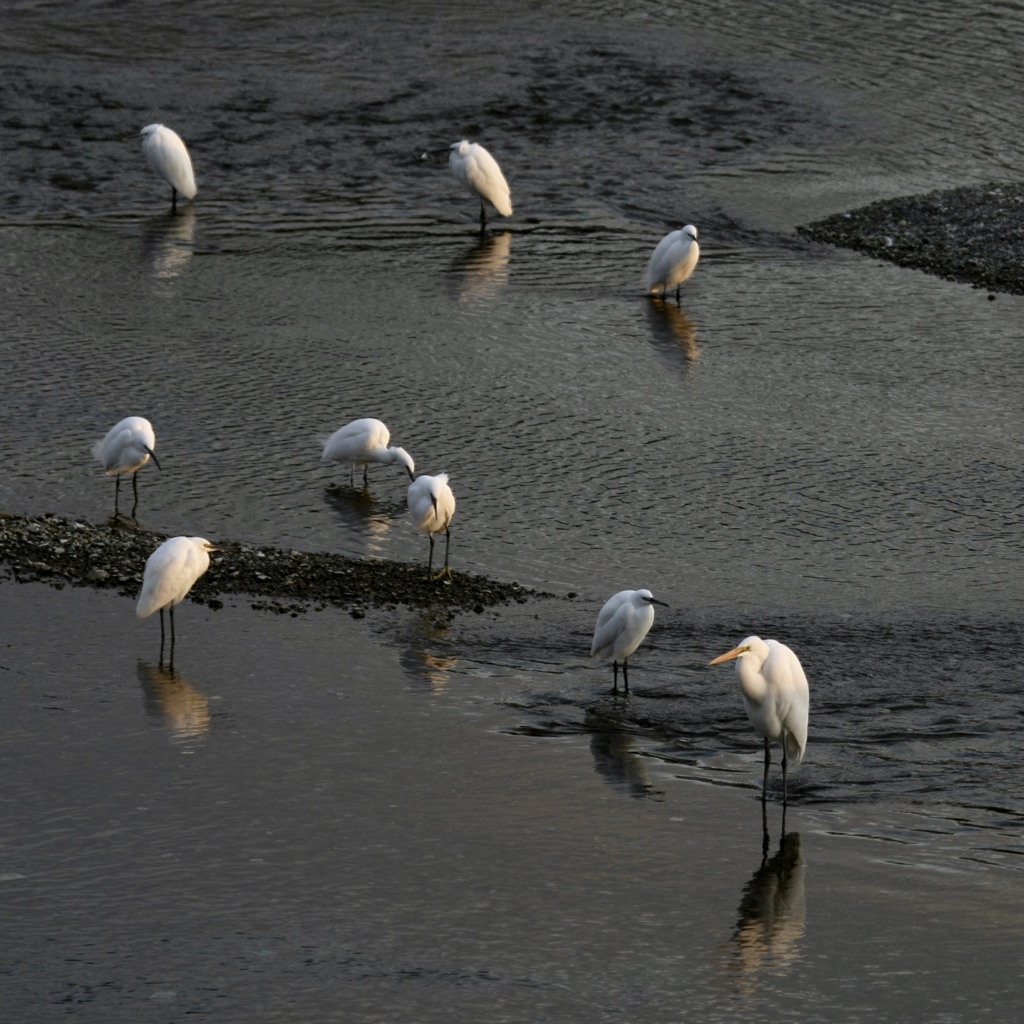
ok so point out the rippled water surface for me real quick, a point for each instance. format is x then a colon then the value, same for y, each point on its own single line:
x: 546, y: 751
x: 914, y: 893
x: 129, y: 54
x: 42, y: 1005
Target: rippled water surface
x: 417, y: 817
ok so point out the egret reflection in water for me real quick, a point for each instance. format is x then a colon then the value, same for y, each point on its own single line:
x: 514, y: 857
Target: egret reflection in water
x: 426, y: 658
x: 169, y: 697
x: 167, y: 242
x: 673, y: 333
x: 617, y: 760
x: 365, y: 515
x: 771, y: 918
x: 483, y: 271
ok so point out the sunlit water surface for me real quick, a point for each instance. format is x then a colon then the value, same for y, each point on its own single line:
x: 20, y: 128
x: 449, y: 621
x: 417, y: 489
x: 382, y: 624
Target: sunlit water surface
x: 432, y: 819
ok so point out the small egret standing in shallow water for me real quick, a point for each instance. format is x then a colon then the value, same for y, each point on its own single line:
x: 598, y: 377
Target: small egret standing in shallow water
x: 479, y: 172
x: 168, y: 156
x: 775, y: 695
x: 364, y: 441
x: 127, y: 447
x: 621, y: 627
x: 672, y: 261
x: 171, y: 571
x: 432, y: 505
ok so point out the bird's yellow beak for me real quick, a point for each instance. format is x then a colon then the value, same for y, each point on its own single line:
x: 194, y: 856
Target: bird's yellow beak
x: 729, y: 655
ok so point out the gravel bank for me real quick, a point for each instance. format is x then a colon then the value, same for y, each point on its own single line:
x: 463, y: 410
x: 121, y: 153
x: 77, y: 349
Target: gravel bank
x: 57, y: 551
x: 974, y: 235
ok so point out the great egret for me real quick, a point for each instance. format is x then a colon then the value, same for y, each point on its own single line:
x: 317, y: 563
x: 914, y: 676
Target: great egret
x: 432, y: 505
x: 364, y: 441
x: 171, y: 571
x: 168, y: 156
x: 479, y: 172
x: 672, y: 261
x: 775, y: 695
x: 621, y: 627
x: 127, y: 447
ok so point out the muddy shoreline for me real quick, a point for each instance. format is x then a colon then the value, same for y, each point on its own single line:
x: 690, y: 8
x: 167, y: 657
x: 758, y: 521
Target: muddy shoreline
x: 974, y: 235
x: 58, y: 551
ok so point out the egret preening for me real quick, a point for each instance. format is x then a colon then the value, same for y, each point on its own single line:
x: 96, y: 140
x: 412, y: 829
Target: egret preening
x: 127, y: 447
x: 672, y: 261
x: 364, y: 441
x: 168, y: 156
x: 479, y: 172
x: 621, y: 627
x: 432, y: 505
x: 775, y: 695
x: 171, y: 572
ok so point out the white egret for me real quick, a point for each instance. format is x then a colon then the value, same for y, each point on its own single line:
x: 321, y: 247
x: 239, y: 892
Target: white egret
x: 364, y: 441
x: 171, y: 571
x: 127, y: 447
x: 479, y: 172
x: 432, y: 505
x: 775, y: 695
x: 168, y: 156
x: 621, y: 627
x: 672, y: 261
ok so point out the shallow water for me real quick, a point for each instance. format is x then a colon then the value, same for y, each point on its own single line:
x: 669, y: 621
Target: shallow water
x: 811, y: 446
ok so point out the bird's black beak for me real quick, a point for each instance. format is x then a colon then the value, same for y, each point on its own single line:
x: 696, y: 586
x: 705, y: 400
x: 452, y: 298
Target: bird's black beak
x: 152, y: 455
x: 654, y: 600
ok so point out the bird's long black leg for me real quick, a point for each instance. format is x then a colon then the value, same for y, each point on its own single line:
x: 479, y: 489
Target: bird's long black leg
x: 117, y: 493
x: 767, y: 761
x: 170, y: 660
x: 764, y: 831
x: 447, y: 541
x: 366, y: 479
x: 174, y: 200
x: 783, y: 771
x: 430, y: 561
x: 135, y: 491
x: 615, y: 676
x: 625, y: 675
x: 161, y: 660
x: 483, y: 216
x: 677, y: 295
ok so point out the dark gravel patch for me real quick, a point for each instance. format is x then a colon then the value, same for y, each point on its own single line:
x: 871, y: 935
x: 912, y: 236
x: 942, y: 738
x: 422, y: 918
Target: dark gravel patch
x: 974, y: 235
x: 57, y: 551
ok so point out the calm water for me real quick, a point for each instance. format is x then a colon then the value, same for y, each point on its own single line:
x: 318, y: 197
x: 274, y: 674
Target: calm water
x: 420, y: 818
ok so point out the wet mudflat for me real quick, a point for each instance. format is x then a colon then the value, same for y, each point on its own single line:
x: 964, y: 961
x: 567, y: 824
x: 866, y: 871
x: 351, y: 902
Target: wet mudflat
x: 433, y: 813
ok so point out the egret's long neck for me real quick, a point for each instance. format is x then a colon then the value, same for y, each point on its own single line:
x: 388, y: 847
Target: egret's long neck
x: 751, y: 681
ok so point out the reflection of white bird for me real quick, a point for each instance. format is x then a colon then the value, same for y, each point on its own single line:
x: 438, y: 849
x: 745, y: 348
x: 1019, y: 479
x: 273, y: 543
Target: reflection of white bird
x: 432, y: 505
x: 171, y: 571
x: 621, y: 627
x: 168, y: 156
x: 775, y: 695
x: 479, y: 172
x: 672, y: 261
x: 127, y: 447
x: 362, y: 442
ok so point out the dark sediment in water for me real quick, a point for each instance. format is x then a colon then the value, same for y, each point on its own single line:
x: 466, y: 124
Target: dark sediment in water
x: 50, y: 549
x: 971, y: 234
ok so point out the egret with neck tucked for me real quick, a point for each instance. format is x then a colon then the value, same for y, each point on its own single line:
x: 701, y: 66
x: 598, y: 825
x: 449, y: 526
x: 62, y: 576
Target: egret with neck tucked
x: 363, y: 442
x: 432, y: 505
x: 622, y: 624
x: 168, y: 156
x: 480, y: 174
x: 776, y: 697
x: 127, y: 447
x: 672, y: 261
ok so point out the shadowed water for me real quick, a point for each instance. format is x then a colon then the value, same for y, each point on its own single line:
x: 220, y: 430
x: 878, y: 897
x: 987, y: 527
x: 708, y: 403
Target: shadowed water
x: 810, y: 446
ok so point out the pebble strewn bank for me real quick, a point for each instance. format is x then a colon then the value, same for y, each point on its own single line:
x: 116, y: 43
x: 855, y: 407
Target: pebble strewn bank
x: 974, y: 235
x: 57, y: 551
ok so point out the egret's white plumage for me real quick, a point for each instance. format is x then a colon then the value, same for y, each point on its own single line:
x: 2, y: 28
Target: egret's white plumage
x: 432, y: 505
x: 672, y: 261
x: 167, y: 155
x: 776, y: 697
x: 171, y: 571
x: 622, y: 624
x: 126, y: 448
x: 364, y: 441
x: 479, y: 172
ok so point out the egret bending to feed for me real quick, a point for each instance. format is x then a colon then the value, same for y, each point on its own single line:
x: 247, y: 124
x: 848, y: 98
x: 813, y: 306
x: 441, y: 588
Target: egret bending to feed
x: 775, y: 695
x: 621, y: 627
x: 171, y: 572
x: 127, y: 447
x: 364, y: 441
x: 479, y: 172
x: 672, y: 261
x: 432, y: 505
x: 168, y: 156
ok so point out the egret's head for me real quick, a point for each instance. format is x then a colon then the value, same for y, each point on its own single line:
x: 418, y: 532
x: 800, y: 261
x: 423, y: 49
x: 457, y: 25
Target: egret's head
x: 150, y: 129
x: 462, y: 148
x: 401, y: 457
x: 690, y: 231
x: 748, y: 646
